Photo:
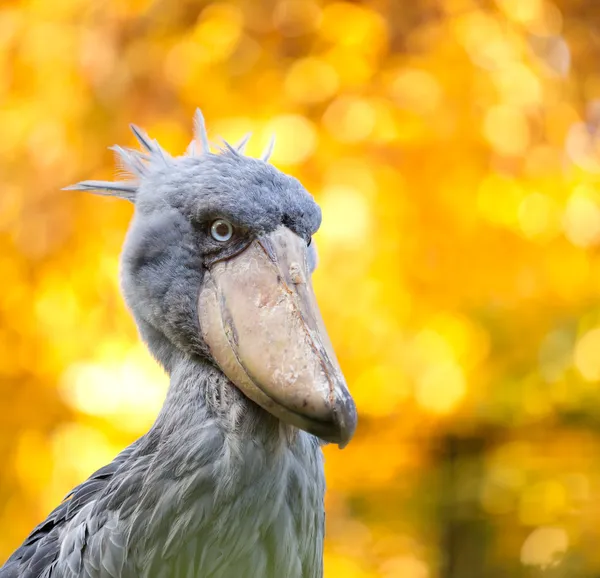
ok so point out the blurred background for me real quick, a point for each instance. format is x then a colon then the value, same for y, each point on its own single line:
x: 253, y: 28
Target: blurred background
x: 454, y: 147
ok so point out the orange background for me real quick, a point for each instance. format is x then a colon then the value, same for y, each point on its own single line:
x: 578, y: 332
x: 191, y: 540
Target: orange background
x: 453, y: 146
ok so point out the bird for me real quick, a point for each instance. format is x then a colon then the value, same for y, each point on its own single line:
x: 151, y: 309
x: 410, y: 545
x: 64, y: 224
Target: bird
x: 229, y: 481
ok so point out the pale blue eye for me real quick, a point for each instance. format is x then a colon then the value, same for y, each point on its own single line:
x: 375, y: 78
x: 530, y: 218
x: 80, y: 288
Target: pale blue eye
x: 221, y: 230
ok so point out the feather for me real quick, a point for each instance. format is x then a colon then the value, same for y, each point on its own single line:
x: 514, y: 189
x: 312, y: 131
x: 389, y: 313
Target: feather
x: 200, y: 131
x: 125, y: 190
x: 241, y: 146
x: 151, y: 145
x: 229, y: 148
x: 266, y: 154
x: 143, y: 138
x: 131, y: 160
x: 191, y: 150
x: 160, y: 153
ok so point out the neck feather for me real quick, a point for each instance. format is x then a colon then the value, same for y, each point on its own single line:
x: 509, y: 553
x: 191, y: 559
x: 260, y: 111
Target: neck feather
x: 214, y: 456
x: 200, y: 392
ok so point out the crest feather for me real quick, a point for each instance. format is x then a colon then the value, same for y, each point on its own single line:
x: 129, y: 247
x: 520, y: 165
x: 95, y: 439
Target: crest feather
x: 229, y: 148
x: 266, y: 155
x: 138, y: 163
x: 241, y: 146
x: 200, y: 133
x: 131, y: 161
x: 142, y: 138
x: 151, y: 145
x: 123, y: 190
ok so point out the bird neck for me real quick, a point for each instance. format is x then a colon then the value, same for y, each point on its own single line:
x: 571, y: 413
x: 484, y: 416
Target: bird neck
x: 215, y: 467
x: 199, y: 393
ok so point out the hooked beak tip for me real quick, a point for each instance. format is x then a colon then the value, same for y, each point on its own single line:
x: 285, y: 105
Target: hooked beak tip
x: 349, y: 427
x: 342, y: 425
x: 345, y: 418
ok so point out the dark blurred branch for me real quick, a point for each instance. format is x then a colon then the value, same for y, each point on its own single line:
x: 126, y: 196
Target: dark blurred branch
x: 463, y: 530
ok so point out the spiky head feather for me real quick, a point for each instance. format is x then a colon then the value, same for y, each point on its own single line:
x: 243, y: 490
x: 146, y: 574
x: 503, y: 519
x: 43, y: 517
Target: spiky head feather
x: 138, y: 164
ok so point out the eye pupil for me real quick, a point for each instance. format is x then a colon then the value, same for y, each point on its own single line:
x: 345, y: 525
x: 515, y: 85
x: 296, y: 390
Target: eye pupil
x: 221, y: 230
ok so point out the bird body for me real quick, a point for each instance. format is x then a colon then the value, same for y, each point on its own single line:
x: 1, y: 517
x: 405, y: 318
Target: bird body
x: 229, y: 481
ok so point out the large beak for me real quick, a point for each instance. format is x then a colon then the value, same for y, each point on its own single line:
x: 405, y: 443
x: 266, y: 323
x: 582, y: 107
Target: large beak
x: 260, y: 319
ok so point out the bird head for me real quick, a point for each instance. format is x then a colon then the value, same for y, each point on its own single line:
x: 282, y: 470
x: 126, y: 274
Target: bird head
x: 217, y: 264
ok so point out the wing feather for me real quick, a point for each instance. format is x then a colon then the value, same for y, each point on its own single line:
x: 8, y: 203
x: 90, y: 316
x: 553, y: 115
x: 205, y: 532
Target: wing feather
x: 38, y: 555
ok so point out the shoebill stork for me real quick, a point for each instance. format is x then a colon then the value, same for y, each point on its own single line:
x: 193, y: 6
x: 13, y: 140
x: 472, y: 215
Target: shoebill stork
x: 228, y: 482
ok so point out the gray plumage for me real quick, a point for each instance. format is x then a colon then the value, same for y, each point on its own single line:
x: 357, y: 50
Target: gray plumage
x: 218, y: 487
